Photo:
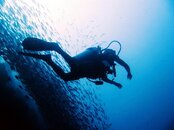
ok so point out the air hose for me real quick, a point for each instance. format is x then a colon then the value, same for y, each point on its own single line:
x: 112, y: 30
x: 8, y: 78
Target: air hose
x: 111, y: 43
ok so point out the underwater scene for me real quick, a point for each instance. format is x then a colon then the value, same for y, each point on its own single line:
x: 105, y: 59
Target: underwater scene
x: 41, y: 94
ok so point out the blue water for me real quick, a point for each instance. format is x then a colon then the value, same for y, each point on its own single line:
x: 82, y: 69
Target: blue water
x: 72, y: 105
x: 146, y: 31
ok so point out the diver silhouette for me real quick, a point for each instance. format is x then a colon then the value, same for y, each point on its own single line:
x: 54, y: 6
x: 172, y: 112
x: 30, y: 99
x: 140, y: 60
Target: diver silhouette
x: 94, y: 63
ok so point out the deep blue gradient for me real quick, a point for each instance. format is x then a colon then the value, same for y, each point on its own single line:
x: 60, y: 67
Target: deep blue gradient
x: 147, y: 102
x: 146, y: 31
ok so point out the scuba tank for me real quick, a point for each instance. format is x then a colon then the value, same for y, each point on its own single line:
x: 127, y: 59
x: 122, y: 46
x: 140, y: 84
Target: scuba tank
x: 90, y: 54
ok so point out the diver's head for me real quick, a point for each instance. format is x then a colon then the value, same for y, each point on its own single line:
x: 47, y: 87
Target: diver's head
x: 110, y: 54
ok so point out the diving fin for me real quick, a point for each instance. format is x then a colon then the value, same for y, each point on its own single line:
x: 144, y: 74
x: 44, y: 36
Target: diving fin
x: 37, y: 56
x: 35, y: 44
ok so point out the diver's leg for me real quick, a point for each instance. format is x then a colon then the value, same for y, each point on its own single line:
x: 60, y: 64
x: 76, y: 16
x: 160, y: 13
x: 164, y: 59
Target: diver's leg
x: 70, y: 60
x: 36, y: 44
x: 47, y: 58
x: 65, y: 76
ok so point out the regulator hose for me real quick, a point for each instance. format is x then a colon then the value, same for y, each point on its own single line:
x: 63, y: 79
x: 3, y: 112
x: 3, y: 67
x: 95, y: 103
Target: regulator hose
x: 114, y: 41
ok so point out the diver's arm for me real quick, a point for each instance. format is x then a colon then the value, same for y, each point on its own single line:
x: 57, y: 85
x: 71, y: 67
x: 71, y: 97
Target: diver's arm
x: 125, y: 65
x: 105, y: 78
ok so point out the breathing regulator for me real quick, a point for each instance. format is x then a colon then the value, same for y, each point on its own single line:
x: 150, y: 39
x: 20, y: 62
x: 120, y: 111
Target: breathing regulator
x: 99, y: 81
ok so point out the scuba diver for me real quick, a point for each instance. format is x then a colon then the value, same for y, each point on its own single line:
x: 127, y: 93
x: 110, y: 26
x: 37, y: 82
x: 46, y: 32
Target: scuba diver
x: 94, y: 63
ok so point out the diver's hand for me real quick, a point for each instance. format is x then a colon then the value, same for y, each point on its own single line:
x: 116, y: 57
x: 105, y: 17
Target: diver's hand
x: 118, y: 85
x: 129, y: 76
